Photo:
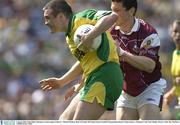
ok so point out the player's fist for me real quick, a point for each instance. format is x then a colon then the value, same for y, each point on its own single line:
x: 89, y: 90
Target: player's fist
x: 51, y: 83
x: 69, y: 93
x: 120, y: 51
x: 168, y: 97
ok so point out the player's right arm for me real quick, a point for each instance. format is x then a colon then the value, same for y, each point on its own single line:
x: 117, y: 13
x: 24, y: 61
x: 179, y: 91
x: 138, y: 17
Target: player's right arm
x: 146, y: 60
x: 55, y: 83
x: 102, y: 25
x: 140, y: 62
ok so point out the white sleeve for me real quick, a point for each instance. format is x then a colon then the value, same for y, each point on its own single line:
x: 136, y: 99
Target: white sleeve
x: 151, y: 41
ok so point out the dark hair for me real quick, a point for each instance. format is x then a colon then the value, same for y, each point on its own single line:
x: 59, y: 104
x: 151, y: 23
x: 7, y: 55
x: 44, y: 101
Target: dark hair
x: 128, y: 4
x: 58, y: 6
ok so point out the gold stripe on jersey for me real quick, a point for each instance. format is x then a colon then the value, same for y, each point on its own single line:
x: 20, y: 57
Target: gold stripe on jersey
x: 175, y: 70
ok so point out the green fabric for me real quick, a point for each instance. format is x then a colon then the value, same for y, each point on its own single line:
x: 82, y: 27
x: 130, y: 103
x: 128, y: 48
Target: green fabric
x: 111, y: 76
x: 177, y: 52
x: 91, y: 14
x: 70, y: 25
x: 178, y: 116
x: 104, y: 50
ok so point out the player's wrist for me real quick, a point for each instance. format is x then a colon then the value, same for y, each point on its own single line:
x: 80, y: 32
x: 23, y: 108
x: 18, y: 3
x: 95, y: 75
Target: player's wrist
x: 89, y: 36
x: 82, y: 47
x: 122, y: 52
x: 76, y: 88
x: 60, y: 83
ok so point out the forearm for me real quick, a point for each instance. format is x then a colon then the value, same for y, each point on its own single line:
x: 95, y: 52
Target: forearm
x: 140, y: 62
x: 173, y: 91
x: 80, y: 85
x: 168, y: 97
x: 102, y: 25
x: 72, y: 74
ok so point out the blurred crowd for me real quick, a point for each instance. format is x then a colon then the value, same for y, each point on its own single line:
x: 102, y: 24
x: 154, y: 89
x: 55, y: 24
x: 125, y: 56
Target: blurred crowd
x: 29, y: 53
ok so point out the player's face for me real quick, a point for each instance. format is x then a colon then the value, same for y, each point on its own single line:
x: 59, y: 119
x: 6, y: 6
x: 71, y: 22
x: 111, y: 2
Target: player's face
x: 123, y: 14
x: 51, y: 21
x: 175, y: 33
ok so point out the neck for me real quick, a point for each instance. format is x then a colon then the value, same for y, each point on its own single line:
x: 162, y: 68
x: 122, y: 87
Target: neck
x: 128, y: 25
x: 66, y: 23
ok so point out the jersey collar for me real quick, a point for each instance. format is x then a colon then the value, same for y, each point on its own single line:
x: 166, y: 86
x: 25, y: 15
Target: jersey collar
x: 135, y: 28
x: 178, y: 52
x: 69, y: 26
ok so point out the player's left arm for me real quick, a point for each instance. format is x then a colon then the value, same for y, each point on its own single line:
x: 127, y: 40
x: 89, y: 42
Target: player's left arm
x: 145, y: 61
x: 75, y: 89
x: 56, y: 83
x: 168, y: 97
x: 101, y: 26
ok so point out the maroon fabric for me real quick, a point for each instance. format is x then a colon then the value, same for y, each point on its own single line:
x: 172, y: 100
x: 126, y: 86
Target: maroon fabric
x: 161, y: 102
x: 135, y: 80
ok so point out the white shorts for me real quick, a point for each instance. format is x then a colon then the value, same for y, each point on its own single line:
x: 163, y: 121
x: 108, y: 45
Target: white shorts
x: 151, y: 95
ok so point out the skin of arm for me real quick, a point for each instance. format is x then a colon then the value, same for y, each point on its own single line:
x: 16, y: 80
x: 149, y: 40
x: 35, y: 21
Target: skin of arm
x: 74, y: 88
x: 73, y: 73
x: 140, y: 62
x: 101, y: 26
x: 168, y: 97
x: 55, y: 83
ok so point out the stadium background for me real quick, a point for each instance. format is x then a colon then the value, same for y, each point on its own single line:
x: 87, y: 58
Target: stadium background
x: 29, y: 53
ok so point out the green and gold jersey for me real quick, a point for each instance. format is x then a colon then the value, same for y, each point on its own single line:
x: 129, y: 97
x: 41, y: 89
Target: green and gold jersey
x: 92, y: 59
x: 175, y: 69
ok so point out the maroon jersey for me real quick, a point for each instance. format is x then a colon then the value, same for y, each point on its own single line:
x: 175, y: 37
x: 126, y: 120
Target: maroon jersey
x: 143, y: 40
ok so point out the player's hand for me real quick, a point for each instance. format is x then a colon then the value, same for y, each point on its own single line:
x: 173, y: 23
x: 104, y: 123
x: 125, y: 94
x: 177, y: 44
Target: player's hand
x: 51, y: 83
x: 120, y: 51
x: 81, y: 46
x: 168, y: 98
x: 86, y: 40
x: 69, y: 93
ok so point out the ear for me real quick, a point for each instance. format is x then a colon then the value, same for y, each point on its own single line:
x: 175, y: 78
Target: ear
x: 132, y: 11
x: 61, y: 16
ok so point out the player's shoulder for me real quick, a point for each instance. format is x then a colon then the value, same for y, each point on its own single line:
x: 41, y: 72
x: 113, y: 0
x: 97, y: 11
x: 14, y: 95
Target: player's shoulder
x: 175, y: 53
x: 92, y: 14
x: 86, y: 12
x: 148, y: 34
x: 146, y: 28
x: 94, y: 11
